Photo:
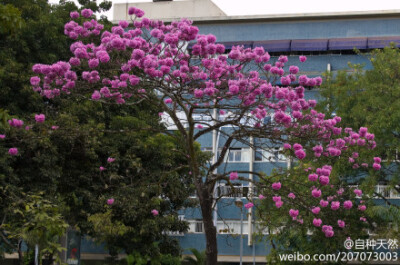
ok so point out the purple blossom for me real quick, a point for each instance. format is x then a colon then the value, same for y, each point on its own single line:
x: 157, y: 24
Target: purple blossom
x: 233, y: 176
x: 376, y: 166
x: 316, y: 193
x: 16, y: 123
x: 358, y: 192
x: 131, y: 10
x: 13, y: 151
x: 335, y: 205
x: 302, y: 58
x: 276, y: 186
x: 323, y: 203
x: 293, y: 213
x: 313, y: 177
x: 324, y: 180
x: 249, y: 205
x: 40, y: 118
x: 287, y: 146
x: 35, y: 80
x: 317, y: 222
x: 347, y: 204
x: 377, y: 160
x: 276, y: 198
x: 300, y: 154
x: 96, y: 95
x: 316, y: 210
x: 87, y: 13
x: 74, y: 14
x: 93, y: 63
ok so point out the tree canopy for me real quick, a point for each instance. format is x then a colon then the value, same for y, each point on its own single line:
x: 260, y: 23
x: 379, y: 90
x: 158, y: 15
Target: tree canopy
x: 202, y: 91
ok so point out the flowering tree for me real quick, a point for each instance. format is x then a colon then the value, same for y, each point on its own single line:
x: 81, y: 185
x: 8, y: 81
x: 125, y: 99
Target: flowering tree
x: 203, y: 91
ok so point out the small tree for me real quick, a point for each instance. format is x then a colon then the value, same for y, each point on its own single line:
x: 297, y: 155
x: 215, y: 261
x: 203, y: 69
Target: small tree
x: 371, y: 97
x: 203, y: 91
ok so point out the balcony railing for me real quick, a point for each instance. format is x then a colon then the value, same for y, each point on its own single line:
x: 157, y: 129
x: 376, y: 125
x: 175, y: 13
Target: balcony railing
x: 239, y: 191
x: 387, y: 192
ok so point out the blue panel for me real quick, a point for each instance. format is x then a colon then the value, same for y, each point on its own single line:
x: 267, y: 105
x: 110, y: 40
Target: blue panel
x: 274, y: 45
x: 309, y: 45
x: 347, y: 43
x: 380, y: 42
x: 227, y: 244
x: 318, y: 29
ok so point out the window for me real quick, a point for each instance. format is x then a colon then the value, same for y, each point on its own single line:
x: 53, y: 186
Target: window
x: 237, y: 155
x: 269, y: 155
x: 199, y: 228
x: 196, y: 226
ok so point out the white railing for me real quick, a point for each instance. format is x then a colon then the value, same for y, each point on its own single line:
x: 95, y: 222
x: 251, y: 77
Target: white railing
x: 176, y: 233
x: 387, y: 192
x: 235, y: 191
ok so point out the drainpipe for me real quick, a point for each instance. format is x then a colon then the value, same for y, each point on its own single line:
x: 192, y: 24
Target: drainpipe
x: 251, y: 195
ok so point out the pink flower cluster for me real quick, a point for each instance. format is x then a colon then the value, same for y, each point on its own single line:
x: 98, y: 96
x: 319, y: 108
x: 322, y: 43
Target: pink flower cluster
x: 249, y: 205
x: 156, y: 53
x: 16, y: 123
x: 13, y: 151
x: 39, y: 118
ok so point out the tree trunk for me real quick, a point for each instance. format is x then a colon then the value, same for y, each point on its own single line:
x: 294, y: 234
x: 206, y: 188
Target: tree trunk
x: 206, y: 203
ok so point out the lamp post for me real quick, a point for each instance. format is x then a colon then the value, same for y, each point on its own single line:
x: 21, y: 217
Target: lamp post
x: 239, y: 204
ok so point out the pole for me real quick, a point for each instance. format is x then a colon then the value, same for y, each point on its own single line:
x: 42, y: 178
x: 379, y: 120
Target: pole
x: 215, y: 158
x: 36, y: 254
x: 254, y: 245
x: 241, y: 235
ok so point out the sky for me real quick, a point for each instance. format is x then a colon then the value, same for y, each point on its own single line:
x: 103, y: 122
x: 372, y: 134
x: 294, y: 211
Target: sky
x: 268, y: 7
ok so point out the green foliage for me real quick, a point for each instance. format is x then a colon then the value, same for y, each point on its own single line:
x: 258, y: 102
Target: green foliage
x: 40, y: 223
x: 58, y: 169
x: 10, y: 19
x: 138, y: 259
x: 371, y: 98
x: 198, y: 259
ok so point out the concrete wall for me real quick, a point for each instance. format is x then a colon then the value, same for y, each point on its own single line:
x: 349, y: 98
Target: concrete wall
x: 171, y: 10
